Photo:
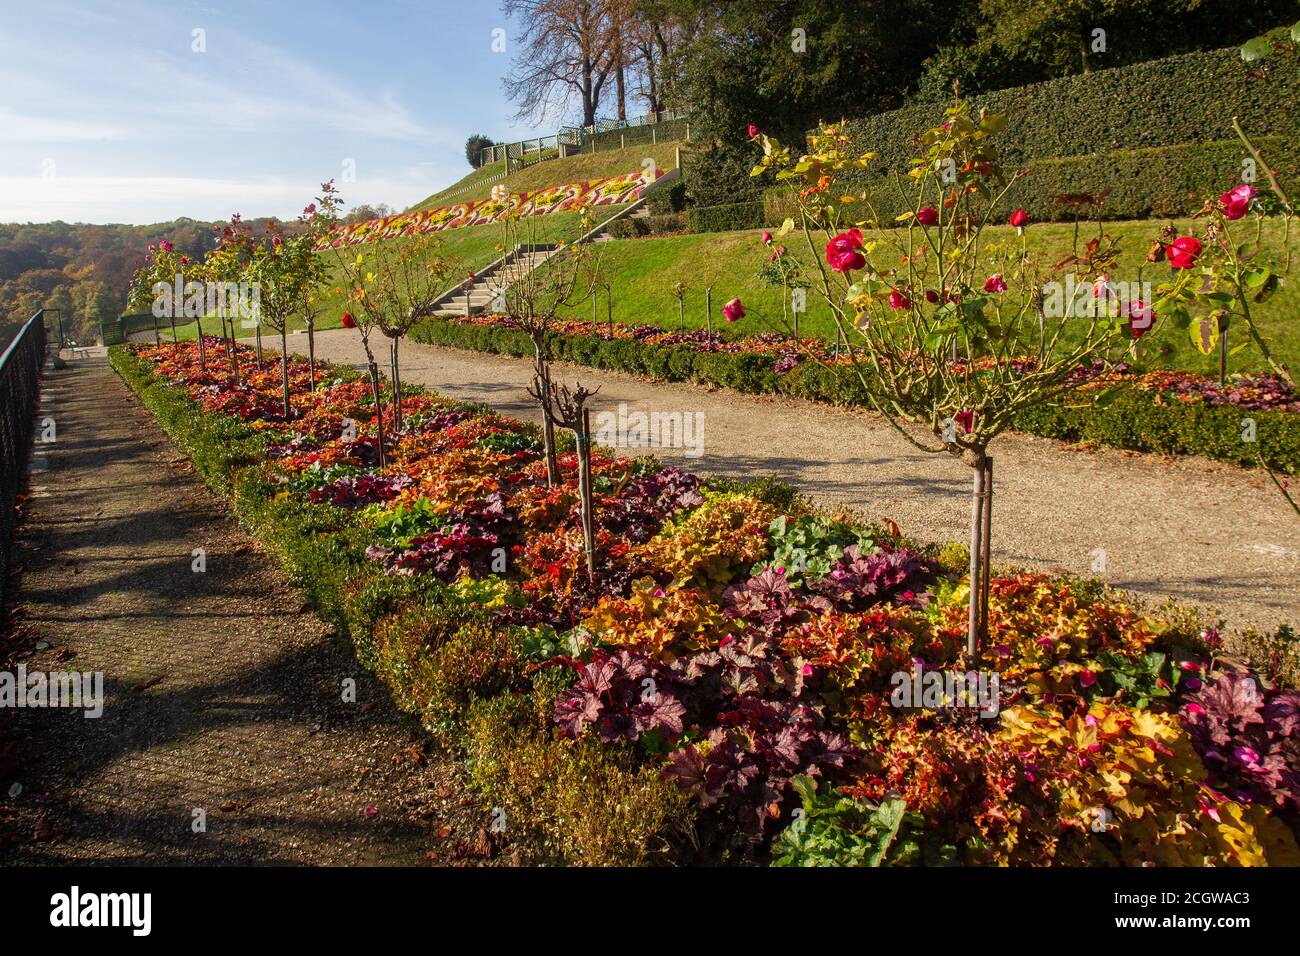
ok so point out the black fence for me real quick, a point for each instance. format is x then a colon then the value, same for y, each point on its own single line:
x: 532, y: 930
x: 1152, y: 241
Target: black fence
x: 20, y: 373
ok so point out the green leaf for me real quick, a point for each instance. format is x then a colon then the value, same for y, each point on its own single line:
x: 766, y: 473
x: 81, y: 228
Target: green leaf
x: 1255, y: 49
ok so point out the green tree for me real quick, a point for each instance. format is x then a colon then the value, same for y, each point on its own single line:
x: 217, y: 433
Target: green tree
x: 474, y: 147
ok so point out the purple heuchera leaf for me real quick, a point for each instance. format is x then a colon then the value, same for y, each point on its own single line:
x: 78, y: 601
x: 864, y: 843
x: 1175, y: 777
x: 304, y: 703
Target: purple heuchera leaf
x: 446, y: 553
x: 361, y: 490
x: 1247, y: 738
x: 621, y: 696
x: 857, y: 581
x: 768, y: 602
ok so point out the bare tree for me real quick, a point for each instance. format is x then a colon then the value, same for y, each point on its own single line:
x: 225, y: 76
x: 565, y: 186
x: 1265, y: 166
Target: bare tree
x: 566, y: 51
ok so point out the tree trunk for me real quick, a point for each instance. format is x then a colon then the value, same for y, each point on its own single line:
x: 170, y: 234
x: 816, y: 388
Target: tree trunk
x: 311, y: 352
x: 620, y: 82
x: 379, y: 411
x: 980, y: 515
x: 542, y: 380
x: 397, y: 386
x: 284, y: 371
x: 203, y: 357
x: 257, y: 338
x: 586, y: 495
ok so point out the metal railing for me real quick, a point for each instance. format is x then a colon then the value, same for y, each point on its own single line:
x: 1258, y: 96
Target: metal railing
x: 574, y: 139
x: 20, y: 374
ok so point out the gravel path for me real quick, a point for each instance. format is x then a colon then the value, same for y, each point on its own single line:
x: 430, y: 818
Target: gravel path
x: 223, y: 692
x: 1201, y: 532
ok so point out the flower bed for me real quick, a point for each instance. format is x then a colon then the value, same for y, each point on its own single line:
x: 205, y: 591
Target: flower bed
x: 737, y: 656
x: 1159, y: 411
x: 605, y: 191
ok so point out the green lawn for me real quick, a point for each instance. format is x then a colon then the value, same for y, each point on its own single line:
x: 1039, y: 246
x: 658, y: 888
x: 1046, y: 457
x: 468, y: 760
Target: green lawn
x: 644, y: 271
x: 557, y: 172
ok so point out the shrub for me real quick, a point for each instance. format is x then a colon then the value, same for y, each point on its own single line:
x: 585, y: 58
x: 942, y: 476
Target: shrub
x: 1170, y: 102
x: 1160, y: 181
x: 585, y: 803
x: 663, y: 201
x: 727, y: 218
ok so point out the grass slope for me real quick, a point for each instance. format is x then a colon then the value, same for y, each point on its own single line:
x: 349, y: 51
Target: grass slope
x: 555, y: 172
x: 644, y: 271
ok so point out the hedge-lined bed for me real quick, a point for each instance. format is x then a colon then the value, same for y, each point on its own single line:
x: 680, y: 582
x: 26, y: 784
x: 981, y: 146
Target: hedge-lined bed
x: 1173, y: 101
x: 1165, y: 412
x: 733, y: 658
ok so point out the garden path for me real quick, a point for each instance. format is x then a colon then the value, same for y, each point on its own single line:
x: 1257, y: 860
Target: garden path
x: 1201, y: 532
x: 222, y: 690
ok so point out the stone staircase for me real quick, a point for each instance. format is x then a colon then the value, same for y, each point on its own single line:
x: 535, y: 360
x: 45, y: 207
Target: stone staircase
x: 478, y: 295
x: 470, y: 296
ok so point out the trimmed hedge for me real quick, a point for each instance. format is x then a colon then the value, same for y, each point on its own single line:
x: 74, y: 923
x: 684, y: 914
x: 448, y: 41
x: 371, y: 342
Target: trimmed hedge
x: 1134, y: 420
x: 1161, y: 182
x: 637, y: 226
x: 1169, y: 102
x: 726, y: 218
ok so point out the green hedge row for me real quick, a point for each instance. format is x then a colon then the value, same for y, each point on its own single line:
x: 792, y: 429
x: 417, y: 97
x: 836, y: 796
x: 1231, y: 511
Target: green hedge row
x: 1169, y: 102
x: 726, y: 218
x: 1134, y: 420
x: 1161, y: 182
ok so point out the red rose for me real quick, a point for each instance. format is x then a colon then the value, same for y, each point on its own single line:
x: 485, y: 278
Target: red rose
x: 753, y: 131
x: 733, y: 311
x: 311, y: 208
x: 995, y: 283
x: 1020, y: 219
x: 842, y: 252
x: 966, y: 419
x: 1140, y: 317
x: 928, y: 216
x: 348, y: 321
x: 897, y: 300
x: 931, y: 296
x: 1182, y: 252
x: 1236, y: 202
x: 767, y: 238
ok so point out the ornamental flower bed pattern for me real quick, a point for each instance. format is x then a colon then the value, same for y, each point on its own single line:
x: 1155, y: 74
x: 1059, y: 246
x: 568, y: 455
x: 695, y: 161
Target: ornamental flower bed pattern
x: 605, y: 191
x: 749, y: 656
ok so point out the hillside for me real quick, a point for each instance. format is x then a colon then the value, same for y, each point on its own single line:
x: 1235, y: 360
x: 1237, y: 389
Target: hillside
x: 645, y: 270
x: 554, y: 172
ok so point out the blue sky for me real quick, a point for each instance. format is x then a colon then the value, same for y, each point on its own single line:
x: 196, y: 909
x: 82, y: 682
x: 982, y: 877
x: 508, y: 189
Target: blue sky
x: 109, y: 114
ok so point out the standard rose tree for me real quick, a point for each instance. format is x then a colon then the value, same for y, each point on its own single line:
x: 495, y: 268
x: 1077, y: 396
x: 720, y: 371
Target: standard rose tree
x: 535, y: 297
x: 285, y: 268
x: 943, y: 326
x: 1219, y: 270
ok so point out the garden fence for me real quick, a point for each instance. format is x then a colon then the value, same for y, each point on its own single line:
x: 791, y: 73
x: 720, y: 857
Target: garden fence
x: 20, y: 372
